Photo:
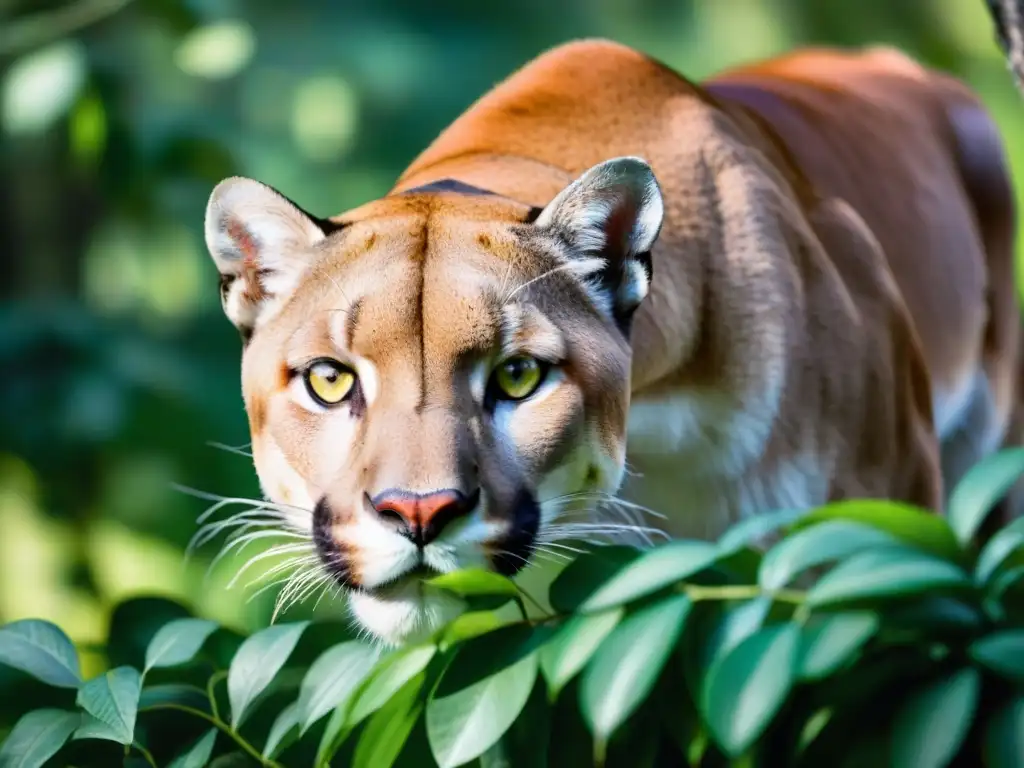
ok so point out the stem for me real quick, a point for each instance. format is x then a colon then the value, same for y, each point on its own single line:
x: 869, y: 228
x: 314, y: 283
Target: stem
x: 536, y: 603
x: 518, y: 599
x: 211, y: 692
x: 740, y: 592
x: 218, y: 723
x: 145, y: 753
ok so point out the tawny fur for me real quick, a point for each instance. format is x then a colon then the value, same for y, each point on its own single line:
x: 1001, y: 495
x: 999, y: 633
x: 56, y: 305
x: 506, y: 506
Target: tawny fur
x: 870, y: 223
x: 832, y: 312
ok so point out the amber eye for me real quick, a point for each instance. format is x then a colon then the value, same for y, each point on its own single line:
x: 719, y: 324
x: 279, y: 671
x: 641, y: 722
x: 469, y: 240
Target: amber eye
x: 329, y: 382
x: 518, y: 377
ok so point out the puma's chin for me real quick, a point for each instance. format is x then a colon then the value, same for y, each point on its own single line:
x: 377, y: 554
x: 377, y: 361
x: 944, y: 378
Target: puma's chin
x: 404, y: 613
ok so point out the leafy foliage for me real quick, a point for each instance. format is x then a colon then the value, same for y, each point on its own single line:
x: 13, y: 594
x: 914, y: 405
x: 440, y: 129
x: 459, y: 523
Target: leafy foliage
x: 871, y: 633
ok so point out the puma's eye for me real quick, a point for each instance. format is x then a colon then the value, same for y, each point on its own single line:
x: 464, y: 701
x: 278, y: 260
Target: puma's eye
x: 329, y: 382
x: 518, y: 377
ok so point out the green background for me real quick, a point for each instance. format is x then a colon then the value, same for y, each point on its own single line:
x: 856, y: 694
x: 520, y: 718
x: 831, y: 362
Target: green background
x: 117, y: 118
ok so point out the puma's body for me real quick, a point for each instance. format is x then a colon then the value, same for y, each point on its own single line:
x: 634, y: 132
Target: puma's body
x: 831, y: 312
x: 795, y: 372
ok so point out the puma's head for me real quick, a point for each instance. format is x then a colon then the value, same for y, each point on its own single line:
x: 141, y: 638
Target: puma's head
x: 432, y: 378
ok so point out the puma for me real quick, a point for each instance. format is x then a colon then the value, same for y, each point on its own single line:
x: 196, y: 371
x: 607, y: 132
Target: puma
x: 791, y: 284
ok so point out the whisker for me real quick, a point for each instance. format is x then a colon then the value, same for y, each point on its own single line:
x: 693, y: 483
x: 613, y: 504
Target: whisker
x: 295, y: 592
x: 604, y: 527
x: 222, y: 501
x: 271, y: 584
x: 550, y: 543
x: 280, y: 549
x: 542, y: 553
x: 240, y: 543
x: 603, y: 500
x: 325, y: 588
x: 238, y: 450
x: 240, y: 532
x: 248, y: 517
x: 566, y: 267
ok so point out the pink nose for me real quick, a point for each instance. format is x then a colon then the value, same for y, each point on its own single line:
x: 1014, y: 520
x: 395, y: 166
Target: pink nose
x: 424, y: 515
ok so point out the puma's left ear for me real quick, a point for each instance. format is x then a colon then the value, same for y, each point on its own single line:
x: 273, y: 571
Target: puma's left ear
x: 262, y: 244
x: 609, y: 218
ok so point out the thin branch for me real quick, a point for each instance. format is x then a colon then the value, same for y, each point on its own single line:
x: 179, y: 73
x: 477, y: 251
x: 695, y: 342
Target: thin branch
x: 221, y: 725
x: 20, y: 35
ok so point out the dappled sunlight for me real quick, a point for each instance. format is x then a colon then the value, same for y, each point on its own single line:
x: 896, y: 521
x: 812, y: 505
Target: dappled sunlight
x: 216, y: 51
x: 40, y: 88
x: 35, y: 558
x: 157, y: 271
x: 324, y: 118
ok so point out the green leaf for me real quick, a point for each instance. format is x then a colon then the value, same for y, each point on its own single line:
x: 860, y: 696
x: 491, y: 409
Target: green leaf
x: 42, y: 650
x: 1006, y: 580
x: 627, y: 664
x: 831, y: 642
x: 819, y: 544
x: 812, y: 728
x: 91, y: 728
x: 582, y: 576
x: 483, y: 656
x: 237, y: 759
x: 571, y: 648
x: 133, y: 623
x: 933, y: 615
x: 652, y: 571
x: 475, y: 581
x: 998, y: 549
x: 177, y: 642
x: 37, y: 736
x: 174, y: 693
x: 387, y: 679
x: 333, y: 678
x: 737, y: 623
x: 754, y: 528
x: 334, y: 735
x: 885, y: 573
x: 113, y: 698
x: 978, y: 491
x: 1002, y: 652
x: 388, y: 729
x: 746, y: 687
x: 470, y: 625
x: 1004, y: 736
x: 371, y: 697
x: 929, y: 728
x: 526, y: 742
x: 198, y: 755
x: 257, y: 662
x: 284, y: 725
x: 464, y: 725
x: 919, y: 528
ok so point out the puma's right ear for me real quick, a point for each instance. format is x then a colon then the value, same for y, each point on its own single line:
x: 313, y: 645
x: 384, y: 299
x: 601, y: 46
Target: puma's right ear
x: 609, y: 218
x: 261, y: 243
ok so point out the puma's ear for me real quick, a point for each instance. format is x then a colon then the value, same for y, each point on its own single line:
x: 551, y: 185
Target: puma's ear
x: 261, y: 243
x: 609, y: 218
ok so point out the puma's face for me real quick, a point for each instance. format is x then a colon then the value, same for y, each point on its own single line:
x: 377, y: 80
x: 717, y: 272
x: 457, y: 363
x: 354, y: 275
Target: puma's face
x: 431, y: 379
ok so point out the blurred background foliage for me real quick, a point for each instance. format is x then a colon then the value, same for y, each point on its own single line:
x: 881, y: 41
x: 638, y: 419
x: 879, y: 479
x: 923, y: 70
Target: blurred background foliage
x: 117, y: 368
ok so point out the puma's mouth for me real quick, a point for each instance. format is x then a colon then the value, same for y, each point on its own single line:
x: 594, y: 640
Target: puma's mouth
x: 404, y: 610
x: 402, y: 582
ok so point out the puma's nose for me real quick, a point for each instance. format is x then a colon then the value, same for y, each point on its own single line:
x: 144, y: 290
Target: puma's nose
x: 424, y: 515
